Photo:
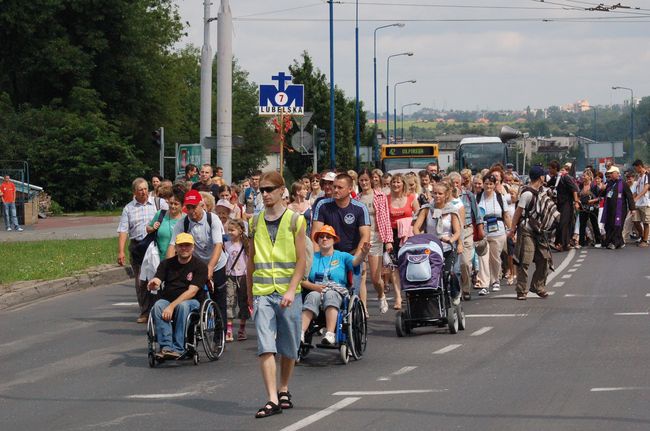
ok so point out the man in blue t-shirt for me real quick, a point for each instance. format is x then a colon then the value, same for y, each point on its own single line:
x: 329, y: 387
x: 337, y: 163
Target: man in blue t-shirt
x: 348, y: 217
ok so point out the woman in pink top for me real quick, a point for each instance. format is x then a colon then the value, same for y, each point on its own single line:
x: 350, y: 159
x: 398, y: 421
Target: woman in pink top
x: 401, y: 205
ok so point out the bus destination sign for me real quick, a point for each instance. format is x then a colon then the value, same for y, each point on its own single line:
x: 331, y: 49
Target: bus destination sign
x: 410, y: 151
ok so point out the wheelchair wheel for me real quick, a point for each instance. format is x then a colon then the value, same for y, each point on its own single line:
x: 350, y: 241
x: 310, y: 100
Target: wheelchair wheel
x: 345, y: 353
x: 452, y: 320
x: 195, y: 358
x: 152, y: 344
x: 460, y: 313
x: 211, y: 325
x: 152, y: 360
x: 357, y: 328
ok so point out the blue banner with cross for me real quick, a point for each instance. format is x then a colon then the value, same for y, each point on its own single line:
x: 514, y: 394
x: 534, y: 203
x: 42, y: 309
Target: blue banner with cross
x: 282, y: 98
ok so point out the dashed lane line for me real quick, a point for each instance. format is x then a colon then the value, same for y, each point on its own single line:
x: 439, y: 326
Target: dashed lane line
x: 529, y: 295
x: 481, y: 331
x: 572, y: 270
x: 497, y: 315
x: 393, y: 392
x: 125, y: 304
x: 567, y: 276
x: 321, y: 414
x: 399, y: 372
x: 640, y: 313
x: 447, y: 349
x: 580, y: 295
x: 160, y: 396
x: 563, y: 265
x: 619, y: 389
x: 558, y: 284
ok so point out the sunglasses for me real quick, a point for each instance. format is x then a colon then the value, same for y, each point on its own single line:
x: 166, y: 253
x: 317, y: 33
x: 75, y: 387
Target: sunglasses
x: 325, y: 236
x: 268, y: 189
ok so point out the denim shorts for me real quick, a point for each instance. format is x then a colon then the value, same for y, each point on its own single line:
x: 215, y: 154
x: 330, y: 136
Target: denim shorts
x: 278, y: 328
x: 313, y: 301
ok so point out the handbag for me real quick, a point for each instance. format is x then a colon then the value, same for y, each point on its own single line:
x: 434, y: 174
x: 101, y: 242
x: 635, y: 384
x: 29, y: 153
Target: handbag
x: 150, y: 262
x: 479, y: 233
x: 143, y: 245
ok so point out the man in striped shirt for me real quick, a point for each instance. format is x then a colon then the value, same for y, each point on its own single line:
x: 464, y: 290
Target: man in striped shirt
x: 135, y: 217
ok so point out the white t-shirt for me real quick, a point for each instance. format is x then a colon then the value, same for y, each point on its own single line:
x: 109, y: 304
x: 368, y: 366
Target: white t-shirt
x: 640, y: 184
x: 493, y: 210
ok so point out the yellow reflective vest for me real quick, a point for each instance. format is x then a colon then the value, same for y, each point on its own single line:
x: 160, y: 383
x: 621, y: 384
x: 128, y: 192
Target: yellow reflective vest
x: 275, y: 263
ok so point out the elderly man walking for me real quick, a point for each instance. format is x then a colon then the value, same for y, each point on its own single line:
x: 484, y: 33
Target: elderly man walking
x: 133, y: 225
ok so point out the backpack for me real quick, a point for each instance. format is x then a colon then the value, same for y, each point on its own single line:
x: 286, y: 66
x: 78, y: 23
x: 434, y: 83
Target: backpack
x: 186, y: 222
x: 541, y: 213
x: 479, y: 197
x: 293, y: 226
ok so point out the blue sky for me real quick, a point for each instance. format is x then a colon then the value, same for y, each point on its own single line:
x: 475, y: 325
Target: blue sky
x: 509, y: 63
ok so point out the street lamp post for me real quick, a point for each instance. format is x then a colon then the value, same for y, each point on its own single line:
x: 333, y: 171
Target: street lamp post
x: 374, y: 63
x: 410, y: 81
x: 404, y: 106
x: 631, y: 117
x: 387, y: 89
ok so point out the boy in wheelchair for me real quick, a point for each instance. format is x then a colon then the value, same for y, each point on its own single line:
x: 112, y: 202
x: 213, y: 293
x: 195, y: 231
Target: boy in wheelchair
x: 184, y: 276
x: 327, y: 282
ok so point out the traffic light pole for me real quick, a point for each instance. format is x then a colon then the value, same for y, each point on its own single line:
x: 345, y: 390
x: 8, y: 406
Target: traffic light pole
x: 315, y: 149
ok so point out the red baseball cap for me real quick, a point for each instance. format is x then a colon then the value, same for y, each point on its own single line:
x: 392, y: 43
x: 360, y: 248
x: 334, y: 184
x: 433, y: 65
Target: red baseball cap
x: 192, y: 197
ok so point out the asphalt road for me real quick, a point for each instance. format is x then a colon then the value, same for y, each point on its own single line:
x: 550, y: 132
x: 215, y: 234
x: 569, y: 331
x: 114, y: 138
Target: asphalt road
x: 577, y: 360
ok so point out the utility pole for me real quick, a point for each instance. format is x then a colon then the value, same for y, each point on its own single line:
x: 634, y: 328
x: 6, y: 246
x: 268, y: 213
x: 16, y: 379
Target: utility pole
x: 224, y: 90
x: 205, y: 126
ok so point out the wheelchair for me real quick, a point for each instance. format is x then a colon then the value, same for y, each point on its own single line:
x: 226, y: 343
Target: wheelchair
x: 351, y: 331
x: 205, y: 326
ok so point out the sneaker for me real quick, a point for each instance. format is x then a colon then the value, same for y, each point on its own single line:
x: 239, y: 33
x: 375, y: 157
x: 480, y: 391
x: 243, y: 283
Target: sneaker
x: 496, y: 287
x: 143, y: 318
x: 302, y: 337
x: 19, y: 229
x: 521, y: 296
x: 170, y: 354
x: 329, y: 339
x: 229, y: 337
x: 9, y: 229
x: 383, y: 305
x: 611, y: 247
x: 483, y: 292
x: 597, y: 246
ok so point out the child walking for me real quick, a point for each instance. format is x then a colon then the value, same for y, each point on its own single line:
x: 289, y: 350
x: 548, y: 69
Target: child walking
x: 236, y: 247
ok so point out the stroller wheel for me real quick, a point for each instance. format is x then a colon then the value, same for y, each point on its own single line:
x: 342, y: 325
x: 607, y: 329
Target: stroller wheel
x: 452, y: 320
x: 400, y: 324
x: 460, y: 313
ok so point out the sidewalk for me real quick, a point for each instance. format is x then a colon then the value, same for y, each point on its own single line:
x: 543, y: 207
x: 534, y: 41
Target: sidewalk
x: 65, y: 227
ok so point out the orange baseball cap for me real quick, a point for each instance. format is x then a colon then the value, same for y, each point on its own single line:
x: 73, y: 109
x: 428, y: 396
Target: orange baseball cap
x: 327, y: 229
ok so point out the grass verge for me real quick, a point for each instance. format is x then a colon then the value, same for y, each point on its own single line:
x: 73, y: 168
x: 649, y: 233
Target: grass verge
x: 49, y: 260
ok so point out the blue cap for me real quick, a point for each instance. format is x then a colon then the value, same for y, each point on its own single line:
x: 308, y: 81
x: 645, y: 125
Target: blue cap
x: 536, y: 172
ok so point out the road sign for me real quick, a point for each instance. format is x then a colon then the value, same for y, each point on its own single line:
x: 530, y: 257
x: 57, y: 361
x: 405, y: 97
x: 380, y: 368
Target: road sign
x: 304, y: 120
x: 303, y: 142
x: 282, y: 98
x: 186, y: 154
x: 209, y: 142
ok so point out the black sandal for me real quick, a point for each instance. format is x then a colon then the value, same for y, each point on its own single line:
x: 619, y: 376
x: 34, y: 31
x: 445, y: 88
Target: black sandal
x: 284, y: 399
x: 269, y: 409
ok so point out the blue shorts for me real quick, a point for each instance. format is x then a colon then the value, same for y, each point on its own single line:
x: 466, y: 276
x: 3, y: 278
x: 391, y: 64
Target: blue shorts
x: 278, y: 328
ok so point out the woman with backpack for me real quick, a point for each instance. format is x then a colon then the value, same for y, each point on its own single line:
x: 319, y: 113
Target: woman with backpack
x: 497, y: 222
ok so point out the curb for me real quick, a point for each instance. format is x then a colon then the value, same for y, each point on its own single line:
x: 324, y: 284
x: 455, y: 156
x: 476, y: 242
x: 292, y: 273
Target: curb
x: 25, y: 292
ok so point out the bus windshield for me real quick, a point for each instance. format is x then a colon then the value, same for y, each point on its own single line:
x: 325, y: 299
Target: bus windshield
x: 480, y: 156
x: 417, y: 164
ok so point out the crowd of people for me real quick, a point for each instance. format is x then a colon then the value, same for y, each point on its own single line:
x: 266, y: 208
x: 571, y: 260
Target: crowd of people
x: 280, y: 254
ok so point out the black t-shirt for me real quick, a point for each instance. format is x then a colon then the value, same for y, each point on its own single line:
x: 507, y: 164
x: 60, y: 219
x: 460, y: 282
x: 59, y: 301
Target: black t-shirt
x: 565, y: 188
x: 212, y: 188
x: 345, y: 221
x: 272, y: 227
x: 178, y: 277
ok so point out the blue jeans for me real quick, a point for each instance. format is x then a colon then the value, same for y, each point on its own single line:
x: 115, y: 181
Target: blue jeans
x: 10, y: 215
x: 172, y: 336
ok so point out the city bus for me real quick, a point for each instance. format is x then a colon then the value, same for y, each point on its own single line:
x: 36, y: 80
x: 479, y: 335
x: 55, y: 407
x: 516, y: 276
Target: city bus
x: 403, y: 158
x: 480, y: 153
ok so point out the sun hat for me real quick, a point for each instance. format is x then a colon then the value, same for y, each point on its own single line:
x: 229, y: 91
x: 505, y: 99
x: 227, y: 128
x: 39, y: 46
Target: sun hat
x: 224, y: 203
x: 327, y: 229
x: 613, y: 169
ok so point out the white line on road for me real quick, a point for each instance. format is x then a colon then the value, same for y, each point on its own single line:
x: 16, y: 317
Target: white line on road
x: 558, y: 284
x: 580, y: 295
x: 530, y: 295
x: 647, y: 295
x: 496, y: 315
x: 641, y: 313
x: 447, y: 349
x: 396, y: 392
x: 577, y: 265
x: 580, y: 260
x: 563, y: 265
x: 321, y: 414
x: 481, y: 331
x: 125, y: 304
x: 160, y: 396
x: 629, y: 388
x: 567, y: 275
x: 399, y: 372
x: 572, y: 270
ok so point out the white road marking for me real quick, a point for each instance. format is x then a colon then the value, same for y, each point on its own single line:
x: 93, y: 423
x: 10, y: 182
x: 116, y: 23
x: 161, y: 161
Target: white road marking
x: 481, y: 331
x: 321, y: 414
x: 563, y: 265
x: 399, y: 372
x: 580, y: 260
x: 528, y: 295
x: 396, y: 392
x: 125, y: 304
x: 558, y: 284
x: 496, y: 315
x: 572, y: 270
x: 160, y: 396
x: 577, y: 265
x: 567, y: 275
x: 641, y: 313
x: 629, y: 388
x: 580, y: 295
x: 447, y: 349
x: 647, y: 295
x: 648, y: 277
